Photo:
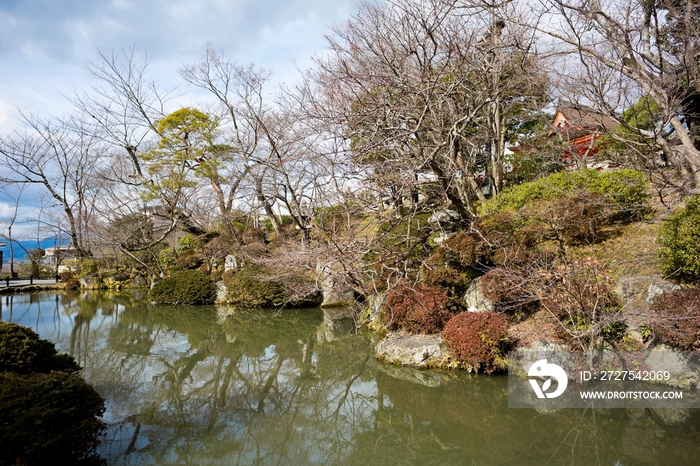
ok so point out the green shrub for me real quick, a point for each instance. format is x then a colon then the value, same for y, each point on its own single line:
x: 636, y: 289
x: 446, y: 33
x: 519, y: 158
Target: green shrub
x: 477, y: 339
x: 71, y: 284
x: 679, y: 238
x: 48, y: 414
x: 421, y: 309
x: 48, y: 419
x: 626, y: 189
x: 22, y: 351
x: 187, y: 287
x: 250, y: 286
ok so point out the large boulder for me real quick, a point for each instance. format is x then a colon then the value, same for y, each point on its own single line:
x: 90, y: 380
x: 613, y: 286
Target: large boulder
x: 375, y: 304
x: 474, y: 300
x: 337, y: 292
x: 411, y: 350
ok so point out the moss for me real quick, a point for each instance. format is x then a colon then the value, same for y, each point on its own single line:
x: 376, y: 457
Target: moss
x: 187, y: 287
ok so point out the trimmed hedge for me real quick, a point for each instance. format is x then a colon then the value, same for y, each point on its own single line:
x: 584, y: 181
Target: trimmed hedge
x: 477, y: 339
x: 22, y: 351
x: 626, y: 189
x: 48, y: 414
x: 248, y: 286
x: 679, y: 238
x: 187, y: 287
x: 49, y: 419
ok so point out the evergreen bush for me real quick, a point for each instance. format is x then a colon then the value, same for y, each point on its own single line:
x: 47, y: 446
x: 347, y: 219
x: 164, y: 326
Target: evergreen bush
x: 250, y: 286
x: 186, y: 287
x: 48, y: 414
x: 22, y: 351
x: 625, y: 189
x: 679, y: 238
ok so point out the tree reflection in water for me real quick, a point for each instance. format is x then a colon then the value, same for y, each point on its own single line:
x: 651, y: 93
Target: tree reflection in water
x: 202, y: 385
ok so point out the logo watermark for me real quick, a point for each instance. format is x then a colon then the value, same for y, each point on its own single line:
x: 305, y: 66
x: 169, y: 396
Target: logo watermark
x: 547, y: 372
x: 603, y: 379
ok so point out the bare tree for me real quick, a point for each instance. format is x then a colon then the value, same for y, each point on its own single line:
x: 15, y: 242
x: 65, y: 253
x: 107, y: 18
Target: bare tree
x: 612, y: 53
x: 63, y: 162
x: 427, y: 87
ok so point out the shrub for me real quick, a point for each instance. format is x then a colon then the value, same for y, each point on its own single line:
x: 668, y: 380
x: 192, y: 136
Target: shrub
x: 422, y: 309
x: 48, y: 414
x: 477, y: 339
x: 580, y: 294
x: 677, y: 319
x: 48, y: 418
x: 187, y: 287
x: 626, y: 189
x: 251, y: 286
x: 679, y: 238
x: 577, y: 218
x: 189, y: 259
x: 65, y: 276
x: 508, y: 289
x: 22, y: 351
x: 71, y: 284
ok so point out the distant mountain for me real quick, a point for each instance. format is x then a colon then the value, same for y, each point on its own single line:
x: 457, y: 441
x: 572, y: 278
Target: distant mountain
x: 20, y: 254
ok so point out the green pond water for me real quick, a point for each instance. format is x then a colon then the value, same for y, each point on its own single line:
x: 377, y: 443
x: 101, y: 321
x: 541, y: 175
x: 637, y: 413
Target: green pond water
x: 207, y: 385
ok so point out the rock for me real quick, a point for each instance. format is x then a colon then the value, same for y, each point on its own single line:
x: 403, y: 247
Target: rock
x: 672, y: 416
x: 336, y: 291
x: 411, y: 350
x: 637, y: 292
x: 139, y: 282
x: 659, y: 288
x: 444, y: 216
x: 683, y: 366
x: 474, y: 300
x: 230, y: 263
x: 91, y: 282
x: 220, y: 292
x: 375, y: 303
x: 442, y: 237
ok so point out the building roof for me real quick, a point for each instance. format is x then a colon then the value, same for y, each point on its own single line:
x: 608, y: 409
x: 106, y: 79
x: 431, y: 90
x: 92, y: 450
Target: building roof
x: 582, y: 119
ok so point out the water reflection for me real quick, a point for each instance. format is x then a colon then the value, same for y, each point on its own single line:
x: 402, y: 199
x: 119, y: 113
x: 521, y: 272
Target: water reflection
x: 207, y: 385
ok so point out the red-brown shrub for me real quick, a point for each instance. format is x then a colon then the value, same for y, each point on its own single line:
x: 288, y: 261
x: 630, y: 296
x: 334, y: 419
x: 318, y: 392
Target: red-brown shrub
x: 476, y: 338
x: 508, y: 289
x: 423, y: 309
x: 677, y: 318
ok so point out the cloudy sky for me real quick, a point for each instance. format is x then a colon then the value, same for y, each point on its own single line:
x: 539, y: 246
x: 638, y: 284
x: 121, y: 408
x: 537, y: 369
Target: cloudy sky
x: 46, y: 44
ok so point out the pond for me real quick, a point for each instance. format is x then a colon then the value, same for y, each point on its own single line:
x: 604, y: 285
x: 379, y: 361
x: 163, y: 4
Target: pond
x: 207, y: 385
